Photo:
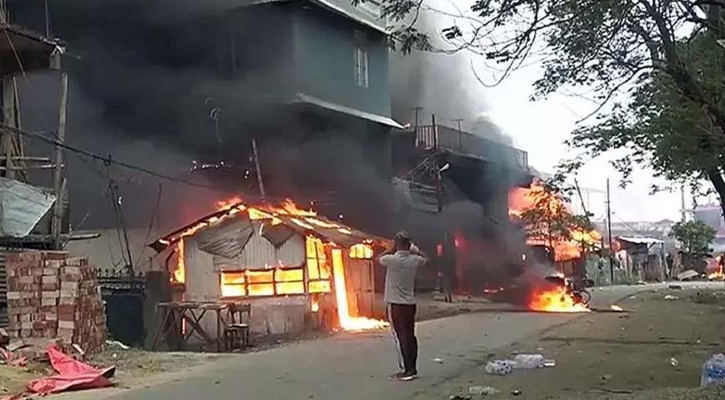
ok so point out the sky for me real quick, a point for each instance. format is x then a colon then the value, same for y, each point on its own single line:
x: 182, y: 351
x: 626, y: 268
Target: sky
x: 541, y: 127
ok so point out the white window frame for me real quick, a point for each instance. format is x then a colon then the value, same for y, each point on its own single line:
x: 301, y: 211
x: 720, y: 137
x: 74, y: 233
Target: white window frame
x: 362, y: 67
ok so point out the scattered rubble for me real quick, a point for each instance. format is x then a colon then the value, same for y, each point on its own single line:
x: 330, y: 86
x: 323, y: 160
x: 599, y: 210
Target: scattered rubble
x: 687, y: 275
x: 713, y: 371
x: 482, y: 391
x: 71, y: 375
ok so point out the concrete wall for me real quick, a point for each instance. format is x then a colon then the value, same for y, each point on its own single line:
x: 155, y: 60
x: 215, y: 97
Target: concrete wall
x: 324, y: 53
x: 108, y: 251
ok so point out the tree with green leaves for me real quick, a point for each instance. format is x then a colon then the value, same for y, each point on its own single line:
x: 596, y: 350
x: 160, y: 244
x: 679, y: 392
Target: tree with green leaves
x: 548, y: 220
x: 695, y: 238
x: 656, y: 66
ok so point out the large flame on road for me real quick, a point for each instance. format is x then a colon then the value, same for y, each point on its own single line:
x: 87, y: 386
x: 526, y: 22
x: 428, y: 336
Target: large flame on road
x: 555, y: 300
x: 715, y: 268
x: 348, y: 322
x: 521, y: 199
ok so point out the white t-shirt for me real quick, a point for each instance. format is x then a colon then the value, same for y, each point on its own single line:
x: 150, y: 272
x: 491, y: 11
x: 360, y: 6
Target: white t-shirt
x: 400, y: 276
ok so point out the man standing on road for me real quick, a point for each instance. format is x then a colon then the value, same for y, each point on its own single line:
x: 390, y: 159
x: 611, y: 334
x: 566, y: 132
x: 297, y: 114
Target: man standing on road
x: 401, y: 266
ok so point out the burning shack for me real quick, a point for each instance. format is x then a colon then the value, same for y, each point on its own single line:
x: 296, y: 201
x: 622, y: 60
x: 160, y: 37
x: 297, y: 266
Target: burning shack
x: 297, y: 270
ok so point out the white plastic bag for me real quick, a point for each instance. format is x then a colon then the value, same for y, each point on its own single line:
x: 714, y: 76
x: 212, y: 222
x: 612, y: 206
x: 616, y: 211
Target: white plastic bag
x: 713, y: 370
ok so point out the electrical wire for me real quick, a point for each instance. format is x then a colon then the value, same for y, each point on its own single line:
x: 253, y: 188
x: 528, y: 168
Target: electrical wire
x: 108, y: 160
x: 151, y: 225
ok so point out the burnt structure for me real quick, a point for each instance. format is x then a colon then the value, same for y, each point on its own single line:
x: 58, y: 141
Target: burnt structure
x: 307, y: 82
x: 455, y: 186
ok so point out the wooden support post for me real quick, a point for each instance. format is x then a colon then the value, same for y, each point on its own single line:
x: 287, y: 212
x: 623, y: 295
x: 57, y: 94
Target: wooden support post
x: 58, y: 181
x: 262, y: 192
x: 7, y: 143
x: 435, y: 131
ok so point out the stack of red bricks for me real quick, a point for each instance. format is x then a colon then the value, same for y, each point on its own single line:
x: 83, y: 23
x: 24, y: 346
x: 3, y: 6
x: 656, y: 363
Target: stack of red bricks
x: 52, y: 295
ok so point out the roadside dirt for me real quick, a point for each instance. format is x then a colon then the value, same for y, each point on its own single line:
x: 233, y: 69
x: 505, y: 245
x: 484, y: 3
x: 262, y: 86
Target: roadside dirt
x: 660, y: 344
x: 133, y: 365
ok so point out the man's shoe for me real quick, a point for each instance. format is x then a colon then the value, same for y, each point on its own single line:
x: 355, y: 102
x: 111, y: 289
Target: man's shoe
x: 396, y: 376
x: 407, y: 376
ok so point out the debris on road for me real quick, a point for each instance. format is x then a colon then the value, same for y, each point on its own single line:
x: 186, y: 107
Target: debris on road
x: 528, y: 361
x: 499, y: 367
x: 72, y: 374
x: 482, y: 391
x: 116, y: 343
x: 13, y: 359
x: 713, y: 370
x: 687, y: 275
x: 4, y: 337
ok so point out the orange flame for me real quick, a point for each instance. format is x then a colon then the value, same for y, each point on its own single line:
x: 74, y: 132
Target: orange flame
x: 361, y: 250
x: 180, y: 272
x: 521, y: 199
x: 348, y: 322
x: 555, y: 300
x: 717, y: 274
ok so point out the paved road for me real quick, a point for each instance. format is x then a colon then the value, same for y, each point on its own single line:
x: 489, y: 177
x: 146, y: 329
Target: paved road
x: 356, y: 366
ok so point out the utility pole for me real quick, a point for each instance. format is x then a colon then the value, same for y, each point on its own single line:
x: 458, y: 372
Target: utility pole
x: 609, y: 229
x: 435, y: 131
x: 682, y: 203
x: 47, y: 19
x: 460, y: 133
x: 438, y: 183
x: 262, y: 192
x: 458, y: 122
x: 417, y: 110
x: 58, y: 178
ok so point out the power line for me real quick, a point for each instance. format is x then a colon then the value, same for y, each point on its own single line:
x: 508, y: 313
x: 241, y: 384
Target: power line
x: 108, y: 160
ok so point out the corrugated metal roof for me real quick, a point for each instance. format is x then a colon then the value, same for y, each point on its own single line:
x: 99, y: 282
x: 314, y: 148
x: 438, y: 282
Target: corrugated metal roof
x: 309, y: 224
x: 640, y: 240
x: 21, y: 207
x: 307, y: 99
x: 227, y: 239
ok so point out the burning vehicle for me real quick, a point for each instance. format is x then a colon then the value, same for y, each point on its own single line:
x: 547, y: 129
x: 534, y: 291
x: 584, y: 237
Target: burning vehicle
x: 297, y: 270
x: 555, y: 280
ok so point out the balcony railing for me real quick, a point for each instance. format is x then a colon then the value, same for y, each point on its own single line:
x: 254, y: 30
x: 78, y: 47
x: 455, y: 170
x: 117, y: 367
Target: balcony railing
x: 464, y: 143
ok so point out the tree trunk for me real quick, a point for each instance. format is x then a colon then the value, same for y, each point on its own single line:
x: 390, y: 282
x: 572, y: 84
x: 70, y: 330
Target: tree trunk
x: 719, y: 183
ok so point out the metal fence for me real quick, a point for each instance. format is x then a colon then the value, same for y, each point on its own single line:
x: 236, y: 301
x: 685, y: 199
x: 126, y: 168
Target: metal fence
x: 443, y: 137
x: 124, y: 294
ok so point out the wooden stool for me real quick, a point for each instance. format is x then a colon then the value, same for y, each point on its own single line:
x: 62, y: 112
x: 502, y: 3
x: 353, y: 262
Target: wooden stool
x: 236, y: 336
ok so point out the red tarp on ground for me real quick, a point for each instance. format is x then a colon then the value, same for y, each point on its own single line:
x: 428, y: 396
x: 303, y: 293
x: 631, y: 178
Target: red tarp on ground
x: 72, y: 375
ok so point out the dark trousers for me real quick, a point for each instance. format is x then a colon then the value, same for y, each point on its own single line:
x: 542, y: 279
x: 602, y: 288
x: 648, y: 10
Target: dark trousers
x: 402, y: 318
